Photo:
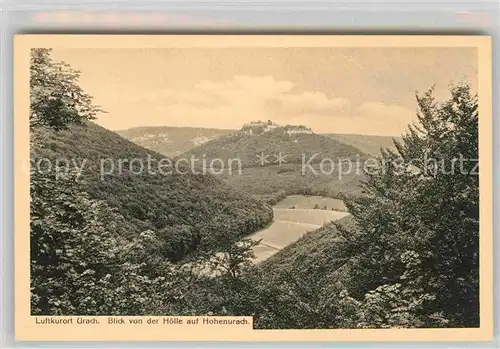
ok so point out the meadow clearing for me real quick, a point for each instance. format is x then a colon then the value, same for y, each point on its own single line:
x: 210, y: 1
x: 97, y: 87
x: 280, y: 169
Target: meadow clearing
x: 290, y: 224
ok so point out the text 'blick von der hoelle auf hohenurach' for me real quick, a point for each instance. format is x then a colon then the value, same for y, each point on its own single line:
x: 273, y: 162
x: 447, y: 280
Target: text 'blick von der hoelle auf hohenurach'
x: 139, y: 321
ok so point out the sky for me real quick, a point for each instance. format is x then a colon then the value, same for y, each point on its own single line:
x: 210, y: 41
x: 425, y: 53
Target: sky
x: 331, y: 90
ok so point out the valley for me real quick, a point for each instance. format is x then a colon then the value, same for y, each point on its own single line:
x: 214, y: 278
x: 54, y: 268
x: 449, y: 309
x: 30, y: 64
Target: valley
x: 298, y: 225
x: 296, y: 217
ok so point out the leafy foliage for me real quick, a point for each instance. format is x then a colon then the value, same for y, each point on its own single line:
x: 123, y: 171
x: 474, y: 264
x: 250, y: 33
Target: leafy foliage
x: 423, y: 202
x: 81, y: 263
x: 102, y: 247
x: 56, y: 99
x: 132, y: 244
x: 408, y: 256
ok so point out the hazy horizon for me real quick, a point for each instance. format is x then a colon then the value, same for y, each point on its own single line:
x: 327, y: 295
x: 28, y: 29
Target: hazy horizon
x: 363, y: 91
x: 236, y: 129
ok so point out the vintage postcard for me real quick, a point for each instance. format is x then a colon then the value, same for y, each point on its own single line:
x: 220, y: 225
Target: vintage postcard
x: 253, y: 188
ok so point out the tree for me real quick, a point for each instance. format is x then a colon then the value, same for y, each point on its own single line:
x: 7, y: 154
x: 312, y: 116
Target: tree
x: 226, y: 252
x: 222, y: 286
x: 56, y: 99
x: 418, y: 222
x: 81, y: 264
x: 234, y: 258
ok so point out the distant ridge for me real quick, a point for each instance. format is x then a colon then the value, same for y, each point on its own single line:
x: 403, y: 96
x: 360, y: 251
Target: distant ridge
x: 366, y: 143
x: 173, y: 141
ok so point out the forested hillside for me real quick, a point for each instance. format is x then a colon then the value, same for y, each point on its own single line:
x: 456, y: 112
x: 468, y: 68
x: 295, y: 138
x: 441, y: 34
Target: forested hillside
x: 148, y: 198
x: 111, y: 239
x: 275, y: 182
x: 408, y: 255
x: 116, y: 233
x: 260, y: 139
x: 276, y: 161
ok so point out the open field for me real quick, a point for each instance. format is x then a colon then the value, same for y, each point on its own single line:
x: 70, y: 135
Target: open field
x: 281, y: 233
x: 308, y: 216
x: 263, y: 252
x: 290, y: 225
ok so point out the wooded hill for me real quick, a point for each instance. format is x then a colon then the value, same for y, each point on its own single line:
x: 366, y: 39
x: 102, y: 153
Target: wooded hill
x: 185, y: 209
x: 296, y: 142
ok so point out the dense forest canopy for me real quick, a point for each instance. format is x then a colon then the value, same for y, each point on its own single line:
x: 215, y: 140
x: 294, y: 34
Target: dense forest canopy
x: 184, y: 214
x: 294, y: 141
x: 406, y: 257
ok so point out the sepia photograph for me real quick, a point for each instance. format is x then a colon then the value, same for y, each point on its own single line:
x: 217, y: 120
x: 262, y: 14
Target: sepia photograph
x: 305, y: 187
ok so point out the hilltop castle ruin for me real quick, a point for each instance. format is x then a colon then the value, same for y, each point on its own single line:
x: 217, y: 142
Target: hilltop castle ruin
x: 259, y: 127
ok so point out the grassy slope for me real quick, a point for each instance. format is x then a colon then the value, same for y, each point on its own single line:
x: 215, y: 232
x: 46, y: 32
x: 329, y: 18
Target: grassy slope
x: 308, y: 216
x: 172, y: 204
